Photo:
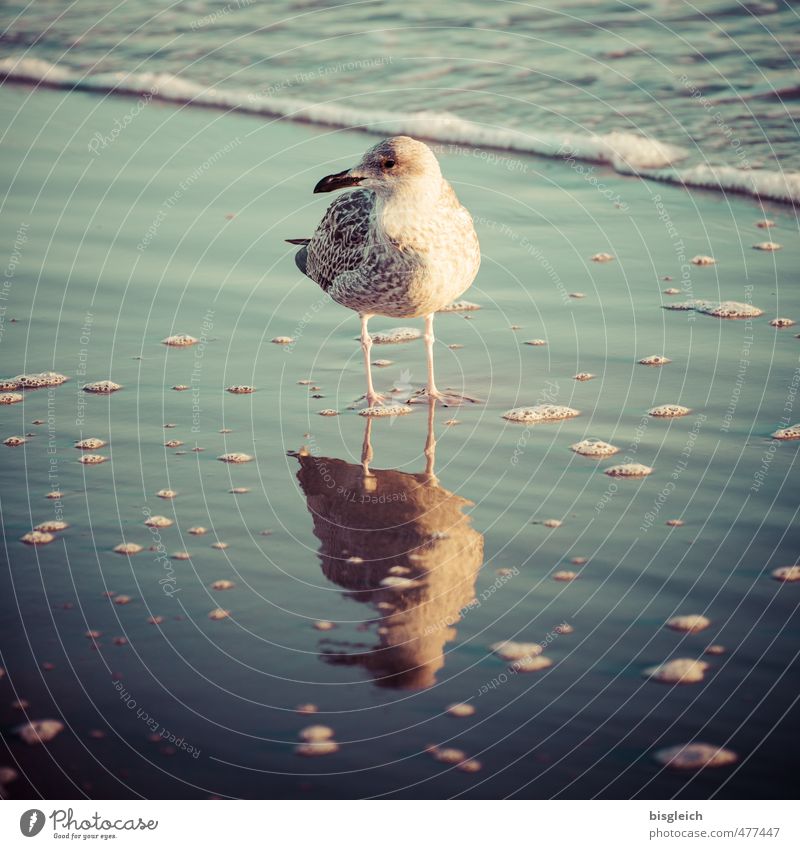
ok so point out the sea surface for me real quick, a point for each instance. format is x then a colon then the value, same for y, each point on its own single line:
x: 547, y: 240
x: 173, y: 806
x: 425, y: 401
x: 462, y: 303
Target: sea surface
x: 704, y: 94
x: 422, y: 540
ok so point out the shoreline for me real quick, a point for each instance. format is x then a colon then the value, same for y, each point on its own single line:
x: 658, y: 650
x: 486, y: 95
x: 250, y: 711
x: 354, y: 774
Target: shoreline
x: 627, y: 154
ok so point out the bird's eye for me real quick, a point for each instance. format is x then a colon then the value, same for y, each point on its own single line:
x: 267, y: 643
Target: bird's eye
x: 389, y: 163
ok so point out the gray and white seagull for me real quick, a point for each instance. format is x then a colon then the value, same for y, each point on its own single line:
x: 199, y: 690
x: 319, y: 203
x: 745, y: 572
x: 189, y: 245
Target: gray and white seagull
x: 400, y: 245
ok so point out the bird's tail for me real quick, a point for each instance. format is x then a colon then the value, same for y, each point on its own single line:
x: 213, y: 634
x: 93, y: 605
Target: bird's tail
x: 297, y: 241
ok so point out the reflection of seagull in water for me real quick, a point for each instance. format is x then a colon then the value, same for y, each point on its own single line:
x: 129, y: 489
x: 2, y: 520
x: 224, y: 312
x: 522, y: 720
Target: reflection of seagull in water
x: 401, y: 245
x: 402, y: 543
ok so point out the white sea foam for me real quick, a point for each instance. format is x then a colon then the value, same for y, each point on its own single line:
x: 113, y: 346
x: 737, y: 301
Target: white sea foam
x: 627, y: 153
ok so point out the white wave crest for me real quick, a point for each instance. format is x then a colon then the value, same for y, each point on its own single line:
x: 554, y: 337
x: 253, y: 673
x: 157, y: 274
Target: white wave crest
x: 627, y: 153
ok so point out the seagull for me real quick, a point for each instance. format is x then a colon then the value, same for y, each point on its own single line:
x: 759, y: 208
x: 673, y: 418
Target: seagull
x: 399, y: 245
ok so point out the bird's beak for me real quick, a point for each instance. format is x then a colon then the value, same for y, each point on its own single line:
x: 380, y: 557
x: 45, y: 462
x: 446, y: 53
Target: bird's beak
x: 342, y: 180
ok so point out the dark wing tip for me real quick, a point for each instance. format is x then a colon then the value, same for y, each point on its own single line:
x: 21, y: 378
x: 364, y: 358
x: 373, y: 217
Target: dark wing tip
x: 297, y: 241
x: 301, y: 259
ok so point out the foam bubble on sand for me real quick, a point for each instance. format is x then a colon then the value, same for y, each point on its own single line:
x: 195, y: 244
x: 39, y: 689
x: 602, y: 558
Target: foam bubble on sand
x: 315, y: 733
x: 469, y: 765
x: 719, y: 309
x: 385, y: 410
x: 668, y: 411
x: 681, y: 670
x: 691, y: 623
x: 552, y: 523
x: 786, y: 574
x: 167, y: 493
x: 90, y: 444
x: 7, y: 775
x: 730, y: 309
x: 449, y: 755
x: 39, y: 730
x: 54, y: 495
x: 219, y: 545
x: 180, y: 387
x: 324, y: 625
x: 602, y: 257
x: 714, y: 650
x: 584, y: 375
x: 122, y: 599
x: 382, y: 363
x: 460, y: 306
x: 307, y: 708
x: 537, y: 343
x: 180, y: 555
x: 672, y: 291
x: 34, y: 381
x: 317, y: 749
x: 577, y: 295
x: 654, y: 360
x: 128, y: 548
x: 695, y: 756
x: 240, y: 389
x: 51, y: 527
x: 396, y: 335
x: 511, y: 650
x: 102, y: 387
x: 239, y: 490
x: 181, y: 340
x: 685, y: 306
x: 563, y: 629
x: 92, y: 459
x: 37, y: 538
x: 328, y: 413
x: 460, y: 709
x: 594, y: 448
x: 14, y: 441
x: 782, y: 322
x: 700, y: 259
x: 540, y: 413
x: 675, y: 523
x: 629, y: 470
x: 10, y: 397
x: 531, y: 664
x: 565, y: 575
x: 791, y: 432
x: 218, y: 613
x: 282, y: 340
x: 158, y: 522
x: 197, y: 530
x: 222, y: 584
x: 767, y: 246
x: 765, y: 223
x: 235, y: 457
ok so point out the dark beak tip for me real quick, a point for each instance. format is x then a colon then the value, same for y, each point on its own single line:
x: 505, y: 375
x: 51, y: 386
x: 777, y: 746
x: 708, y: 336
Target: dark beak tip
x: 342, y: 180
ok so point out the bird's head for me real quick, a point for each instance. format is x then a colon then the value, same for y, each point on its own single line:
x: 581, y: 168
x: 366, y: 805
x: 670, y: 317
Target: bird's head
x: 393, y: 164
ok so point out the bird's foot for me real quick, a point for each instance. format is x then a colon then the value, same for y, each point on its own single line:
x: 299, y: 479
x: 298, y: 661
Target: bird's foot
x: 448, y: 398
x: 373, y: 399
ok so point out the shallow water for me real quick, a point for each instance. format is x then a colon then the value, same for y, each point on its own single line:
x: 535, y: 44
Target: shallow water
x: 717, y: 80
x: 83, y: 300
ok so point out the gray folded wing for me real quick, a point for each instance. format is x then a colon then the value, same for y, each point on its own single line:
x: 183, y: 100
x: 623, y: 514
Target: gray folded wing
x: 339, y: 243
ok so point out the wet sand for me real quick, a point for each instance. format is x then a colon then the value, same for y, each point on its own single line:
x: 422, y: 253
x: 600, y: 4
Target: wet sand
x: 177, y: 228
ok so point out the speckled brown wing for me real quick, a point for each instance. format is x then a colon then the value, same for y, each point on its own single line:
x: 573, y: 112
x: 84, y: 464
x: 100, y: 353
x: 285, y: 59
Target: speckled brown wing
x: 341, y: 239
